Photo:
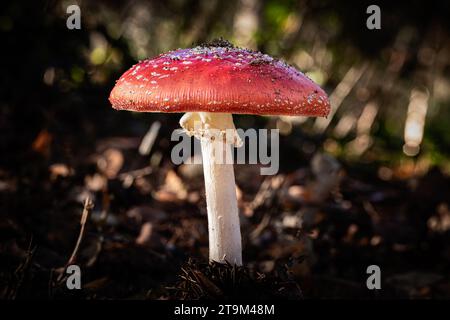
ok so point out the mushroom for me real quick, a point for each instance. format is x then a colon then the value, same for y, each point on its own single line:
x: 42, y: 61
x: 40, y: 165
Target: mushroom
x: 209, y: 83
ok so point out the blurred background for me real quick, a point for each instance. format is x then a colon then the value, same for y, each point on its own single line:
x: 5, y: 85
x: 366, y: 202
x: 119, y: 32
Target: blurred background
x: 367, y: 185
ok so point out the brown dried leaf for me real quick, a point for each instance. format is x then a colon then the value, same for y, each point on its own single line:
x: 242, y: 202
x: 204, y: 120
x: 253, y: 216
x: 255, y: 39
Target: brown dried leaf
x: 111, y: 162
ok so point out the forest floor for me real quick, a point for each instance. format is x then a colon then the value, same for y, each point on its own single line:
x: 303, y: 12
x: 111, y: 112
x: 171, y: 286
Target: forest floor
x: 308, y: 232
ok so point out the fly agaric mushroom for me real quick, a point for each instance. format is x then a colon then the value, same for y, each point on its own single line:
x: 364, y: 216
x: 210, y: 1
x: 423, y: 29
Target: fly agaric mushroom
x: 209, y: 83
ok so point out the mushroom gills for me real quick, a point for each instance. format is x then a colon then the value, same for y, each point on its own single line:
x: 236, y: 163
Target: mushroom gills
x: 211, y: 126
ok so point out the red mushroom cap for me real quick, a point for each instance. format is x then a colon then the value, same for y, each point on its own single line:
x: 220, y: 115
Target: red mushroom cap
x: 218, y: 78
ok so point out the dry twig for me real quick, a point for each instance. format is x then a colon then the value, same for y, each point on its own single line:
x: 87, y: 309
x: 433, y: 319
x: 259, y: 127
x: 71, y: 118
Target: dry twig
x: 88, y: 205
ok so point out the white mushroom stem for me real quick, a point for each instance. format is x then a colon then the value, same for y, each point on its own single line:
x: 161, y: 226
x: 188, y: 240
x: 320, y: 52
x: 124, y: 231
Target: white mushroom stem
x: 217, y: 134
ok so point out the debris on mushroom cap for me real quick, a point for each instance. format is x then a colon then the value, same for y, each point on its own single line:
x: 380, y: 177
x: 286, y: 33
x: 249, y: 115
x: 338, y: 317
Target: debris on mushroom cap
x: 218, y: 77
